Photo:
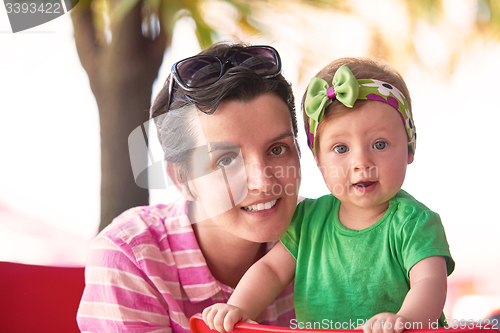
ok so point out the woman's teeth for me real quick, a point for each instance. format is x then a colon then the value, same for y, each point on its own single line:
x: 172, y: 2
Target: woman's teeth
x: 260, y: 206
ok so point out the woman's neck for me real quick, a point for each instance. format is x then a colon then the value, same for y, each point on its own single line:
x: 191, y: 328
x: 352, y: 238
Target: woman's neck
x: 228, y: 257
x: 357, y: 218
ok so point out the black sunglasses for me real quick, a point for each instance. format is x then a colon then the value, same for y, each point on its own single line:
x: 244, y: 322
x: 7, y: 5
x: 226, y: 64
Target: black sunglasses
x: 201, y: 71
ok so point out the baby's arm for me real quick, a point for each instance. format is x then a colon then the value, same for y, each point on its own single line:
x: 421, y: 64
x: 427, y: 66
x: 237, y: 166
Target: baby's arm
x: 424, y: 302
x: 256, y: 290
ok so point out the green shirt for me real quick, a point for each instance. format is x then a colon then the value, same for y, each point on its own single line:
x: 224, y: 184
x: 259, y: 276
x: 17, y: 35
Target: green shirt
x: 346, y: 275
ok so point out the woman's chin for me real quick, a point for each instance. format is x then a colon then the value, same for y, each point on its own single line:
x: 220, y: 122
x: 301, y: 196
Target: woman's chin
x: 266, y: 235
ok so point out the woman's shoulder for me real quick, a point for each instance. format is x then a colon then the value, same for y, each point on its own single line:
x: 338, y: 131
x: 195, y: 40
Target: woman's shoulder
x: 148, y: 223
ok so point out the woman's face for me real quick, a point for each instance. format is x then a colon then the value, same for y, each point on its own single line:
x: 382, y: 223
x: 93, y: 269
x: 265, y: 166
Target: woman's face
x: 245, y: 172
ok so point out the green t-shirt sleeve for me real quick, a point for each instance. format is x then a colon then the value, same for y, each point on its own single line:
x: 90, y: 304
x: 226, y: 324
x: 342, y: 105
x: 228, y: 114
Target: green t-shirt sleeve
x: 291, y: 237
x: 423, y: 236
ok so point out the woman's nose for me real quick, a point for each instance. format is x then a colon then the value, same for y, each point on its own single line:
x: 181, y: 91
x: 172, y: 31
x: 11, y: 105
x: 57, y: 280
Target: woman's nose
x: 260, y: 176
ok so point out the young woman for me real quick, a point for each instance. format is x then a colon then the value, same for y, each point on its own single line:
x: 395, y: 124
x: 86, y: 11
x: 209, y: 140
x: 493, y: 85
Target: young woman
x: 226, y: 122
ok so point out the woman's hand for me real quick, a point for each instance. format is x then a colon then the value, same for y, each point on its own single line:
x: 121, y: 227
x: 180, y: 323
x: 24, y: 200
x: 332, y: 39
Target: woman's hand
x: 385, y: 323
x: 222, y: 317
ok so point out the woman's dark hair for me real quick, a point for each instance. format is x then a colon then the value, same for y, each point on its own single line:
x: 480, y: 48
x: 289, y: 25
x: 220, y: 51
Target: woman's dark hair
x: 175, y: 125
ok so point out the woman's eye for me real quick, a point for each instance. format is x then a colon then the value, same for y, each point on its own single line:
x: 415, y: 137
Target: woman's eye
x: 225, y: 161
x: 380, y: 145
x: 340, y: 149
x: 278, y: 150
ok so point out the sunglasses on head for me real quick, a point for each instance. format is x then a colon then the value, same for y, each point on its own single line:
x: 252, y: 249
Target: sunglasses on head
x: 201, y: 71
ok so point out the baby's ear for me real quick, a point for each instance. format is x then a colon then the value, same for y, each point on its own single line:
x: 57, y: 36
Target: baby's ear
x: 411, y: 157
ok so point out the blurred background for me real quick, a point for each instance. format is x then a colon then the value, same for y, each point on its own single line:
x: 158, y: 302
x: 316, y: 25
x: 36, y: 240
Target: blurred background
x: 56, y: 129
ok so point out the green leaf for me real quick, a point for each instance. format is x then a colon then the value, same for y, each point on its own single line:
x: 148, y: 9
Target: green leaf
x: 203, y: 31
x: 122, y: 9
x: 341, y: 5
x: 243, y: 7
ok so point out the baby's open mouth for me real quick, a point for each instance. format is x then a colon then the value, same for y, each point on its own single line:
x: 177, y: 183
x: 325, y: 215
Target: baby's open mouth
x: 362, y: 185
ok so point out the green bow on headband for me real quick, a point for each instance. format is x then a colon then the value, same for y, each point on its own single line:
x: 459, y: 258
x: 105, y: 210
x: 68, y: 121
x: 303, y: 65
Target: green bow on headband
x: 345, y: 89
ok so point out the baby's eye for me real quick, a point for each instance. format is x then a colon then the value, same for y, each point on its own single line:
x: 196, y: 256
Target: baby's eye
x: 380, y: 145
x: 278, y: 150
x: 340, y: 149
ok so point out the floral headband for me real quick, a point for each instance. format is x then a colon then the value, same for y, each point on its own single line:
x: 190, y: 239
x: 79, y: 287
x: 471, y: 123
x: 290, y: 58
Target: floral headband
x: 346, y: 89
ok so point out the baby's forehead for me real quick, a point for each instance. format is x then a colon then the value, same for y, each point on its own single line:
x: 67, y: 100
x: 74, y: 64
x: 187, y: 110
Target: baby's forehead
x: 371, y: 116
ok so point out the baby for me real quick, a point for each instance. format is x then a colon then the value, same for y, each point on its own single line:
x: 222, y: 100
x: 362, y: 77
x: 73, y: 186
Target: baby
x: 369, y: 255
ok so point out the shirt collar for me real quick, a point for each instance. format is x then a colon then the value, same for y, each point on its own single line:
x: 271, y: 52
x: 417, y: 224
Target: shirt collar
x: 204, y: 285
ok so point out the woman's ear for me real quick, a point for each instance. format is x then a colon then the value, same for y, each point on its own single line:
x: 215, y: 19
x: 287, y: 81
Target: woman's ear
x: 177, y: 176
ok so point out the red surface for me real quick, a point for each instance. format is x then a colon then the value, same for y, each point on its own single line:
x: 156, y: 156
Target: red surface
x: 197, y: 325
x: 39, y: 298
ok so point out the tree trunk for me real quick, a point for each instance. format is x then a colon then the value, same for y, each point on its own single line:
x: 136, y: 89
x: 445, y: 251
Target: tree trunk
x: 121, y: 76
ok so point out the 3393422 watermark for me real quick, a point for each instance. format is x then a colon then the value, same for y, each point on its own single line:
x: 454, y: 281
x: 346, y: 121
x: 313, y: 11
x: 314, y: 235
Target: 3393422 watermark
x: 353, y: 324
x: 26, y: 14
x: 471, y: 323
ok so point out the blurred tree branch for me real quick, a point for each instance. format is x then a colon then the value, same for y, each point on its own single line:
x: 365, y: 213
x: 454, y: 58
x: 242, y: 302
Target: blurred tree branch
x: 121, y: 44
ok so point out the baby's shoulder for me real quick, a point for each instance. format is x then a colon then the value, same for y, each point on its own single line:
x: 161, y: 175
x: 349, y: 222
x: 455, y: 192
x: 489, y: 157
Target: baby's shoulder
x: 407, y: 208
x: 321, y: 205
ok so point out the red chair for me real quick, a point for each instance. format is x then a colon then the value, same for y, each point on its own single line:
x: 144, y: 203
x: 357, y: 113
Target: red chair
x: 197, y: 325
x: 39, y: 298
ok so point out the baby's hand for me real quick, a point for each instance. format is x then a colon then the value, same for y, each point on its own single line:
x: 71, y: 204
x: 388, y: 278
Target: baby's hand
x: 222, y: 317
x: 385, y: 323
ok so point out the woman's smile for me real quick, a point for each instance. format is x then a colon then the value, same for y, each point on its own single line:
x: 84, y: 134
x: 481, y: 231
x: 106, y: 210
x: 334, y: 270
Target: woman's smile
x: 261, y: 206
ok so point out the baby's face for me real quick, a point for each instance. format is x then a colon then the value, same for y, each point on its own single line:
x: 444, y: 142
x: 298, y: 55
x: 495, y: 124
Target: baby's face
x: 363, y: 155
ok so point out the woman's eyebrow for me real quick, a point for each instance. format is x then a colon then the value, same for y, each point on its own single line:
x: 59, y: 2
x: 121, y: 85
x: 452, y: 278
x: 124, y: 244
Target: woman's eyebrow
x: 214, y: 146
x: 282, y: 136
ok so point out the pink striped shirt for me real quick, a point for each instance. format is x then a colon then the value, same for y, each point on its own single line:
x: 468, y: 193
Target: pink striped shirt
x: 146, y: 273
